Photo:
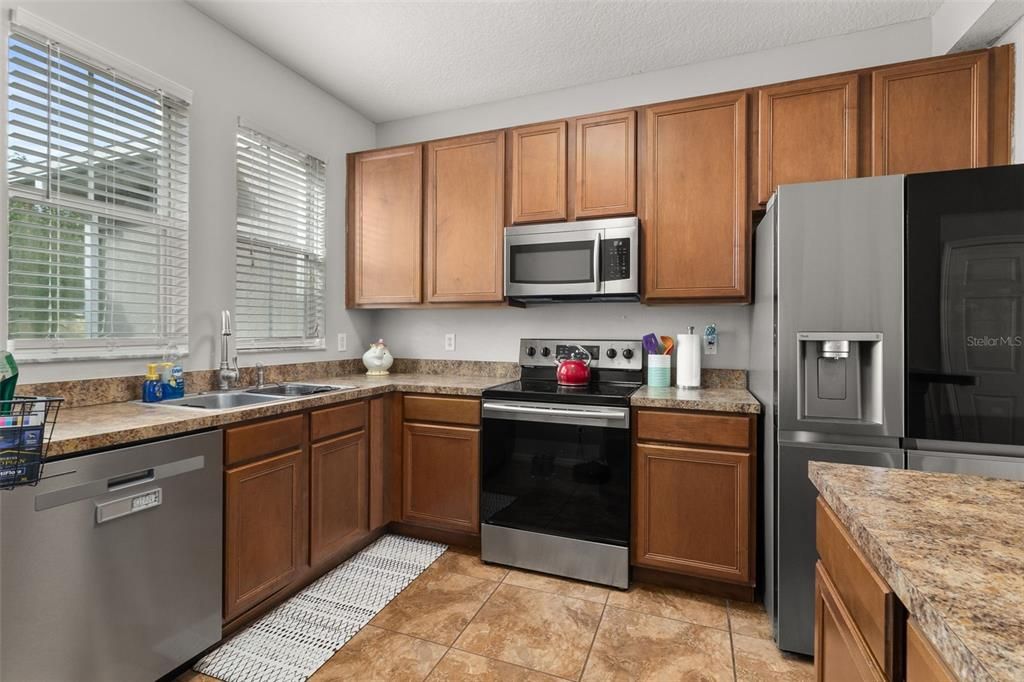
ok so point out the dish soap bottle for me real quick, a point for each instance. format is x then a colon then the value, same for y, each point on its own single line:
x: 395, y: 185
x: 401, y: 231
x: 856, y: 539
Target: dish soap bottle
x: 152, y: 387
x: 174, y: 381
x: 8, y: 381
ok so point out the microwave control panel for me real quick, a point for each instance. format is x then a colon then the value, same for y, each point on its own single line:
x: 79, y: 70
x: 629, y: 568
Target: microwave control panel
x: 615, y: 259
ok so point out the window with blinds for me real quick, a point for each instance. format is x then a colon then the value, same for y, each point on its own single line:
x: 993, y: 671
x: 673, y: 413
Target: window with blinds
x: 97, y: 169
x: 279, y: 262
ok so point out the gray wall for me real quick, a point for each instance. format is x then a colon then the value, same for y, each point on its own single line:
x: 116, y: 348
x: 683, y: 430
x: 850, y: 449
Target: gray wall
x: 229, y: 78
x: 1016, y: 36
x: 492, y: 333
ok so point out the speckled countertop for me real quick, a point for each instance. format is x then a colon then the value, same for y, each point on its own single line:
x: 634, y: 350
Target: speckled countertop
x: 705, y: 399
x: 80, y: 429
x: 94, y: 427
x: 952, y: 548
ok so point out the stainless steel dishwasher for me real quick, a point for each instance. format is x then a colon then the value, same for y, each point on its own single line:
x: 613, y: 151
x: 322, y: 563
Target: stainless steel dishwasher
x: 110, y: 568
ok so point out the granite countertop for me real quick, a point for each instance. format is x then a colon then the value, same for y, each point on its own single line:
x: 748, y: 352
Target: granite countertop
x: 704, y: 399
x: 951, y: 547
x: 94, y: 427
x: 80, y: 429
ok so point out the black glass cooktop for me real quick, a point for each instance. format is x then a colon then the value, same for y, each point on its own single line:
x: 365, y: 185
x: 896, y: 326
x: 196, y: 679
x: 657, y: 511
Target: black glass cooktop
x: 549, y: 391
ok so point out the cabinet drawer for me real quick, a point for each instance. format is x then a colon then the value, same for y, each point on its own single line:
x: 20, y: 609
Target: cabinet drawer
x: 242, y: 443
x: 332, y: 421
x: 688, y: 428
x: 870, y: 601
x: 423, y: 408
x: 923, y: 662
x: 840, y: 654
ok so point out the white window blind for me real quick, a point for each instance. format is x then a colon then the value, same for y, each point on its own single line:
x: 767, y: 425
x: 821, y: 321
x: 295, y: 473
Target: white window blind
x: 279, y: 265
x: 97, y: 208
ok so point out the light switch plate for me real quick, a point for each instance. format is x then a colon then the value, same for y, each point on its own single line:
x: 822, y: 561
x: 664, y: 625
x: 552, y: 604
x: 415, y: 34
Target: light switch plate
x: 342, y: 341
x: 449, y: 341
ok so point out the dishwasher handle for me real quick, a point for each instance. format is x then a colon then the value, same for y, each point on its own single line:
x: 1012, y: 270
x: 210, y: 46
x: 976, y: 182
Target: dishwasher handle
x: 128, y: 480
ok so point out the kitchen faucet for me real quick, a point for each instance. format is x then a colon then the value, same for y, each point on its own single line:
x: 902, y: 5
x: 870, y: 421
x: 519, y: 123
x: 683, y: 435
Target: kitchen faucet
x: 226, y: 375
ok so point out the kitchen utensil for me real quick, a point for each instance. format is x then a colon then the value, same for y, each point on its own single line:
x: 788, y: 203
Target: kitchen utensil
x: 651, y: 344
x: 668, y: 344
x: 572, y: 370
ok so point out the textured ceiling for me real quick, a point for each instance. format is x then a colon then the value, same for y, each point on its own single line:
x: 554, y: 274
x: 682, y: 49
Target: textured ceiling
x: 392, y: 60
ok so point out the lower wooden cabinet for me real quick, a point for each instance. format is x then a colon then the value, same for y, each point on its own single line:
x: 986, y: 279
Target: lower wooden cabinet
x: 694, y: 511
x: 265, y: 528
x: 693, y: 494
x: 339, y: 509
x: 441, y: 477
x: 840, y: 653
x: 923, y: 662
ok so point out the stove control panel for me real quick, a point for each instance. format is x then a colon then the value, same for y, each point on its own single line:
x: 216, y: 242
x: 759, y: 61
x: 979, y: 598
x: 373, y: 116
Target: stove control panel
x: 606, y: 353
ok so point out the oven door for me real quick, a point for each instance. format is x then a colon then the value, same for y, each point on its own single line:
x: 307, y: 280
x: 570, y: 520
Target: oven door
x: 557, y: 469
x: 565, y: 263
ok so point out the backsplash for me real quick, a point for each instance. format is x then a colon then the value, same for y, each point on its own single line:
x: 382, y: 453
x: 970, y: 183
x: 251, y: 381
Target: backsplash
x: 80, y: 393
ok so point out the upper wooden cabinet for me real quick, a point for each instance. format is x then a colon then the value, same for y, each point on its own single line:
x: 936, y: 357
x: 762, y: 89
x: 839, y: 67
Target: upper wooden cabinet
x: 807, y: 131
x: 931, y: 115
x: 695, y: 217
x: 464, y: 218
x: 605, y: 165
x: 537, y: 169
x: 385, y: 226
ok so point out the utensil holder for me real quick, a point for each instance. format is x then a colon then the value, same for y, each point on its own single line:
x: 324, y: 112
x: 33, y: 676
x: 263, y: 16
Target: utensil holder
x: 659, y: 371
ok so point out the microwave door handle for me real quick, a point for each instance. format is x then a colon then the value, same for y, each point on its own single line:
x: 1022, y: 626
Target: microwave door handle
x: 598, y: 284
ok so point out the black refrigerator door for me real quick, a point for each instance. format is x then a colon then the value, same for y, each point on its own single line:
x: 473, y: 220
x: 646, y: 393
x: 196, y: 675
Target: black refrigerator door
x: 965, y: 305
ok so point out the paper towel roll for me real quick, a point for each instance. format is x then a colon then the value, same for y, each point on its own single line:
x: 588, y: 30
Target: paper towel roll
x: 688, y: 360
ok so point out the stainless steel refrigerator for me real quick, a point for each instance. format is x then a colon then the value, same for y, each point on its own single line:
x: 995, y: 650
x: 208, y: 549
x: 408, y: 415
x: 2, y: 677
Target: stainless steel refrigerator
x: 888, y: 330
x: 827, y: 363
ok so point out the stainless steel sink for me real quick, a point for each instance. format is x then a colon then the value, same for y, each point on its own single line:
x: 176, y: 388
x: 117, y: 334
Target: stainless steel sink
x: 221, y: 401
x: 290, y: 390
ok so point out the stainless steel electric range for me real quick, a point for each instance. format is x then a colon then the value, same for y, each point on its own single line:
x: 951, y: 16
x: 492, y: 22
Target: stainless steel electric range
x: 555, y: 464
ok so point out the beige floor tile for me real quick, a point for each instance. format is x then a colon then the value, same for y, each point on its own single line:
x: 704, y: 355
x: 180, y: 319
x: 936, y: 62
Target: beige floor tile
x: 636, y: 646
x: 436, y: 606
x: 468, y: 563
x: 560, y: 586
x: 462, y: 665
x: 750, y: 619
x: 193, y: 676
x: 375, y: 654
x: 533, y: 629
x: 759, y: 659
x: 669, y: 602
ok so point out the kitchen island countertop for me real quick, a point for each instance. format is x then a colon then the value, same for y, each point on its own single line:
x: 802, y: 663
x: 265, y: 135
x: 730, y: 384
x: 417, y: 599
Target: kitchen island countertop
x: 952, y: 549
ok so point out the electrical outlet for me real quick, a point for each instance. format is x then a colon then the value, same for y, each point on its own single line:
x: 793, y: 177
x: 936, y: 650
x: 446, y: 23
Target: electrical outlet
x: 449, y: 341
x: 342, y: 341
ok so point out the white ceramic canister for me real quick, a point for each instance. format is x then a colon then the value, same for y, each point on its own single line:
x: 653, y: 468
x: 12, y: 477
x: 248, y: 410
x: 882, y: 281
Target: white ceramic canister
x: 688, y: 360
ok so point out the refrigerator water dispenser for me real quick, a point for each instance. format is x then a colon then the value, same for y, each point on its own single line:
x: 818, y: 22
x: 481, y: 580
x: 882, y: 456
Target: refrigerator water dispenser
x: 841, y: 377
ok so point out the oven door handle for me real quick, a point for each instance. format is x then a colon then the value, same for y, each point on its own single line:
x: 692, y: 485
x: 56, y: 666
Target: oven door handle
x: 605, y: 414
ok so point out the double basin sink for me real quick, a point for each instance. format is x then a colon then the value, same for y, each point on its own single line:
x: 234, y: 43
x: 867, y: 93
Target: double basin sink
x: 226, y: 400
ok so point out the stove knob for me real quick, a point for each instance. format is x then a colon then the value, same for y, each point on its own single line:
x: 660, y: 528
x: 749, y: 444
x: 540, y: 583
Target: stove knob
x: 531, y: 351
x: 545, y: 351
x: 627, y: 353
x: 611, y: 353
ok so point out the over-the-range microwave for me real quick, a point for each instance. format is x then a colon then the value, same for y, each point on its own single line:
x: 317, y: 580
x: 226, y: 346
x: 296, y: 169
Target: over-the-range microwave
x: 587, y: 260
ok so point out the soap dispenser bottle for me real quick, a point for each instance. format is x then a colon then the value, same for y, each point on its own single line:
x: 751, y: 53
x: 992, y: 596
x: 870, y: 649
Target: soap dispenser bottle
x: 152, y: 387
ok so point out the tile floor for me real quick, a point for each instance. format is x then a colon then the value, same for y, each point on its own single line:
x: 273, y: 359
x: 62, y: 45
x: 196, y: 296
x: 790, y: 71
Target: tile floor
x: 462, y: 619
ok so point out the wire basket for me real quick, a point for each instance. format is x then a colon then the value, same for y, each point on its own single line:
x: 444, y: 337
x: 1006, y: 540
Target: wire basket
x: 26, y: 426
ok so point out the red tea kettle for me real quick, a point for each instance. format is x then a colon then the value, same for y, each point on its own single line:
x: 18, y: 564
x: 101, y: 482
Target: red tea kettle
x: 573, y: 371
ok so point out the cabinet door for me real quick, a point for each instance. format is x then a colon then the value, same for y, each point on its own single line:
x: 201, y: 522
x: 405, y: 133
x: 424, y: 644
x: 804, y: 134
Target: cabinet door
x: 538, y: 165
x: 441, y: 477
x: 695, y: 216
x: 840, y: 654
x: 339, y: 504
x: 465, y: 199
x: 605, y: 165
x: 931, y: 115
x: 265, y: 521
x: 807, y: 131
x: 385, y: 226
x: 693, y: 512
